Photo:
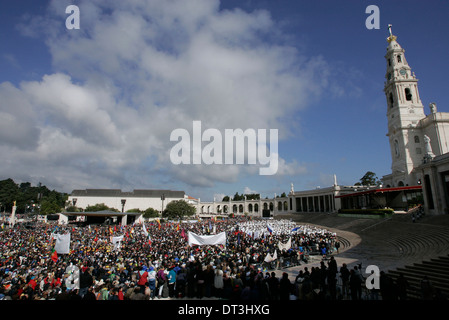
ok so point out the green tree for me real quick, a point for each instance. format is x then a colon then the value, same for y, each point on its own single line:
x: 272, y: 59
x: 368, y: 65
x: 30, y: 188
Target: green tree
x: 49, y: 207
x: 73, y: 209
x: 9, y: 192
x: 151, y: 213
x: 178, y: 209
x: 27, y: 195
x: 369, y: 179
x: 99, y: 207
x: 237, y: 197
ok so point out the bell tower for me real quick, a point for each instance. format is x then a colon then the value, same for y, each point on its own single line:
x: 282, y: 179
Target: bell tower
x: 404, y: 111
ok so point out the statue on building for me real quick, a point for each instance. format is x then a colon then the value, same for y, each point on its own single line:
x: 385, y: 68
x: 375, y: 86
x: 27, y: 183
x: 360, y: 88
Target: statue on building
x: 433, y: 107
x: 428, y: 147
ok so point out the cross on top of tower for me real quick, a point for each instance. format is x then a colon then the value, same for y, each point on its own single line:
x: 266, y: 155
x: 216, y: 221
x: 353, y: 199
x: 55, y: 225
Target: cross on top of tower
x: 391, y: 37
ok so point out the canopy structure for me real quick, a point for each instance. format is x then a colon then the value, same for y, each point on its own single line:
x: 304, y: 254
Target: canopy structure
x: 397, y: 198
x: 104, y: 216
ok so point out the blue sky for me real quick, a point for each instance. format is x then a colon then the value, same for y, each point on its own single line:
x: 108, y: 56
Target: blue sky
x: 94, y: 108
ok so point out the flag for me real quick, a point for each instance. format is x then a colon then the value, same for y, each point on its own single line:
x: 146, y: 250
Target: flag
x: 183, y: 234
x: 159, y: 223
x: 144, y: 229
x: 270, y: 230
x: 146, y: 233
x: 296, y: 229
x: 54, y: 256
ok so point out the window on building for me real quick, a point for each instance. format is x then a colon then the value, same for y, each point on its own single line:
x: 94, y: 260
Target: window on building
x: 418, y: 151
x: 389, y: 62
x: 396, y: 148
x: 399, y: 58
x: 408, y: 94
x: 391, y: 99
x: 416, y: 139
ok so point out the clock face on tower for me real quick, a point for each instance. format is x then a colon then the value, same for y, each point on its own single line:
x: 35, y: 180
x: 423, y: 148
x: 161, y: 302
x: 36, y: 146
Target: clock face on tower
x: 403, y: 72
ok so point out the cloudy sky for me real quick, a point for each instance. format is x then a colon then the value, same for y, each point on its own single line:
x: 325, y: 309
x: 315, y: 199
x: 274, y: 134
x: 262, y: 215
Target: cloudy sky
x: 95, y: 107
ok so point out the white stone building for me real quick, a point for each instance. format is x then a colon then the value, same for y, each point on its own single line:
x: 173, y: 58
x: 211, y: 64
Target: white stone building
x: 419, y: 143
x: 414, y: 136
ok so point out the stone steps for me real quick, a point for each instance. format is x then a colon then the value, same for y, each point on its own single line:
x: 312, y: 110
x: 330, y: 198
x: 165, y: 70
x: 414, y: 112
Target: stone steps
x: 435, y: 269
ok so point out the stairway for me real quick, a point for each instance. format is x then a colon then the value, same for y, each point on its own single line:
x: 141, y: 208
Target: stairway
x: 436, y: 270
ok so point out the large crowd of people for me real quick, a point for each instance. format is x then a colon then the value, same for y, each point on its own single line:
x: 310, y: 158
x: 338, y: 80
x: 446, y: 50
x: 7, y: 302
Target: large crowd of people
x: 154, y: 261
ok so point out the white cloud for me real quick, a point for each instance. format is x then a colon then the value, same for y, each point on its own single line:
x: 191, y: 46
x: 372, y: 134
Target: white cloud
x: 247, y: 190
x: 139, y: 69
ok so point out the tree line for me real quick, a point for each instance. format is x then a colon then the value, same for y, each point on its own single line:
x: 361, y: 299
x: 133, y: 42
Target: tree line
x: 30, y: 199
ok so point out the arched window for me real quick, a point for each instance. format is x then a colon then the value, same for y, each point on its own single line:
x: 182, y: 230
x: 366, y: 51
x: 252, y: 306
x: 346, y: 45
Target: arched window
x: 391, y: 99
x: 416, y: 139
x: 396, y: 148
x: 399, y: 58
x: 250, y: 208
x: 408, y: 94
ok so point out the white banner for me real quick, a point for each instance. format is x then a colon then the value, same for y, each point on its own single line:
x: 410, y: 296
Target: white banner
x: 62, y: 244
x: 195, y: 239
x: 285, y: 246
x: 269, y: 258
x: 117, y: 241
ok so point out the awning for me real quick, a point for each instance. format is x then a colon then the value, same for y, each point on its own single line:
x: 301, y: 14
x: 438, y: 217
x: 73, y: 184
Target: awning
x: 381, y: 190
